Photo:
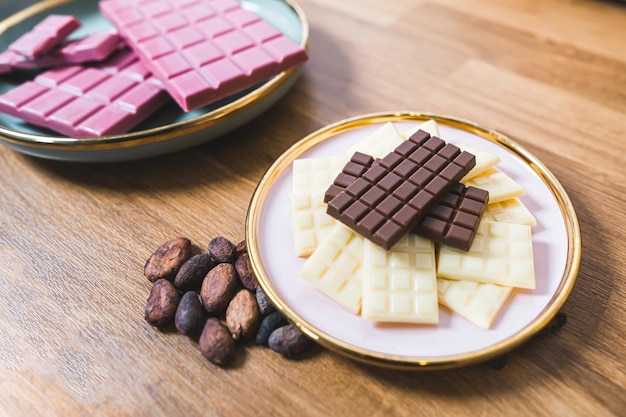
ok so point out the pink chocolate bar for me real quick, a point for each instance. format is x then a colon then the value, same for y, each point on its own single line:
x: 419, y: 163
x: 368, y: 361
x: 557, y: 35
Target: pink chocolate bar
x: 47, y: 34
x: 94, y: 47
x: 82, y: 101
x: 202, y: 50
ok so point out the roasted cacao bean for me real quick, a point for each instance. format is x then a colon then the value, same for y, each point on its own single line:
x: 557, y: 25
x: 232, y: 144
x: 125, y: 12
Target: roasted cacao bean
x: 216, y: 344
x: 241, y: 248
x: 222, y: 250
x: 189, y: 314
x: 245, y: 272
x: 265, y: 306
x: 167, y: 260
x: 162, y: 303
x: 270, y: 323
x: 191, y: 274
x: 289, y: 341
x: 242, y: 315
x: 218, y: 288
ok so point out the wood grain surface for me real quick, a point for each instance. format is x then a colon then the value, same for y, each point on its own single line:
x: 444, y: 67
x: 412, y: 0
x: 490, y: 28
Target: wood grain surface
x: 74, y: 237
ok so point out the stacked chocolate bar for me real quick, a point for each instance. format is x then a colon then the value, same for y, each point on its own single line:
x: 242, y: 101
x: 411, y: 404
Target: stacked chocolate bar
x: 414, y: 188
x: 407, y: 225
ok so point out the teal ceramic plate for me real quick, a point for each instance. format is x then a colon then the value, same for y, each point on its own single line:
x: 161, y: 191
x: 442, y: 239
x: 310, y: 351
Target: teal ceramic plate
x: 169, y: 129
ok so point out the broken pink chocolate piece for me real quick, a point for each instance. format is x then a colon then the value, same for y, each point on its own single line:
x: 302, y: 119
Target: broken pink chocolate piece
x: 96, y: 47
x: 47, y: 34
x: 202, y: 50
x: 83, y: 101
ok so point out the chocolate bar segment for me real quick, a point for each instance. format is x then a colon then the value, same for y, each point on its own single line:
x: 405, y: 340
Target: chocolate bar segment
x: 454, y: 219
x: 358, y: 164
x: 47, y: 34
x: 80, y: 101
x: 382, y: 207
x: 94, y: 47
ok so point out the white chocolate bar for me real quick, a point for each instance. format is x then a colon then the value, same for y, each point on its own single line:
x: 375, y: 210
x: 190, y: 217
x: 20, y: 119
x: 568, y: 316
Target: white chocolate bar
x: 311, y: 178
x: 316, y: 173
x: 484, y: 160
x: 378, y: 143
x: 509, y: 211
x: 386, y: 138
x: 310, y: 223
x: 429, y: 126
x: 399, y: 285
x: 335, y: 268
x: 499, y: 185
x: 502, y: 253
x: 478, y: 303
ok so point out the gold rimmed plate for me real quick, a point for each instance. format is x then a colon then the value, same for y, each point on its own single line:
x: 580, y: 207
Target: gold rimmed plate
x: 454, y: 341
x: 169, y: 129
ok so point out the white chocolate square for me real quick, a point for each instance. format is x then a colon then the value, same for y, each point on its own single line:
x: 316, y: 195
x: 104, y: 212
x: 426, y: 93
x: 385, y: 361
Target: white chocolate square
x: 499, y: 185
x: 310, y: 223
x: 316, y: 173
x: 501, y: 253
x: 378, y: 143
x: 484, y: 160
x: 399, y: 285
x: 509, y: 211
x: 335, y: 268
x: 477, y: 302
x: 429, y: 126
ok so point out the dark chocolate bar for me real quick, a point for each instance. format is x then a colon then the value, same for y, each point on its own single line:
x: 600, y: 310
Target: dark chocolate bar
x: 395, y: 193
x: 454, y: 220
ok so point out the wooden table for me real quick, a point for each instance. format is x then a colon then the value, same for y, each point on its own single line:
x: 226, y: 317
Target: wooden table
x: 74, y: 237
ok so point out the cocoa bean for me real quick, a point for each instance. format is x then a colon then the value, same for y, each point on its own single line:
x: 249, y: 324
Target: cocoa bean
x: 166, y: 261
x: 162, y: 303
x: 218, y: 288
x: 222, y: 250
x: 189, y: 314
x: 265, y: 306
x: 242, y: 315
x: 270, y: 323
x: 289, y: 341
x: 216, y: 344
x: 241, y: 248
x: 193, y: 271
x: 245, y: 272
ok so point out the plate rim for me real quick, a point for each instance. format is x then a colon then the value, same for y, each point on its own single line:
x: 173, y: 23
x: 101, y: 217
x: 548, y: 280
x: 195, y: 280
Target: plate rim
x: 156, y: 134
x: 574, y: 244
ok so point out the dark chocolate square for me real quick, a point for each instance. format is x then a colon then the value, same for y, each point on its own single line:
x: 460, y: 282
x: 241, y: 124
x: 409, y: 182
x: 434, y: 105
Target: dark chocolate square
x: 358, y: 187
x: 373, y: 196
x: 390, y: 182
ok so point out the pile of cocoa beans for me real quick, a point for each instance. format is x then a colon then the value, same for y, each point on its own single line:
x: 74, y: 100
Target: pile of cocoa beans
x: 216, y: 298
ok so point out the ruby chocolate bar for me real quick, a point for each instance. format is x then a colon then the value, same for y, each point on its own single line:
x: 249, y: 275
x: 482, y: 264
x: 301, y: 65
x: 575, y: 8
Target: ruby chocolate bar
x: 452, y: 221
x: 81, y: 101
x: 47, y: 34
x: 396, y: 192
x: 202, y: 50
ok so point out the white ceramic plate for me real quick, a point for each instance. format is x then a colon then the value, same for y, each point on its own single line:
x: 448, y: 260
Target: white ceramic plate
x: 169, y: 129
x: 454, y: 341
